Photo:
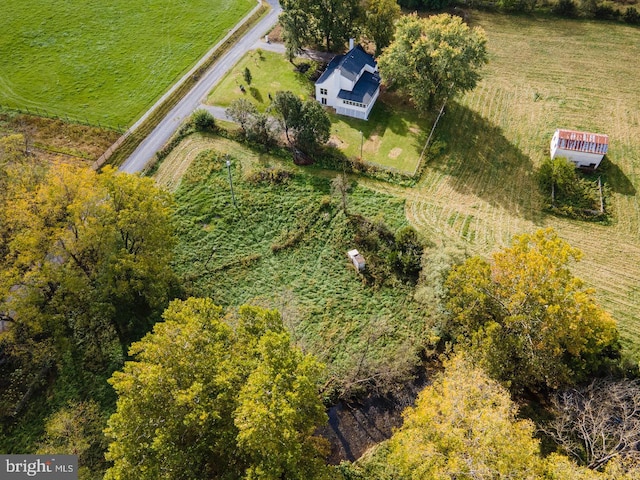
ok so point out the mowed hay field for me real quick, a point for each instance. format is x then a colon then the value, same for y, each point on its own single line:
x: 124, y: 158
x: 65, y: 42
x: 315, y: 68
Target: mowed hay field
x: 543, y: 74
x: 102, y: 61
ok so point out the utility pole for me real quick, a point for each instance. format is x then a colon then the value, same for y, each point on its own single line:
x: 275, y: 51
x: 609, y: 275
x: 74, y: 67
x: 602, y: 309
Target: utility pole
x: 233, y: 197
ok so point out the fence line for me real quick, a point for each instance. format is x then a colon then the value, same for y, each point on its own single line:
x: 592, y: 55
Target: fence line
x: 426, y: 144
x: 40, y: 112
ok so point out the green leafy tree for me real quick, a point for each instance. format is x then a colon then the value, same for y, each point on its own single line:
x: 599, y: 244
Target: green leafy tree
x: 242, y: 112
x: 558, y: 173
x: 87, y: 263
x: 287, y: 108
x: 76, y: 429
x: 314, y: 128
x: 247, y: 76
x: 379, y: 21
x: 433, y: 59
x: 262, y: 131
x: 337, y: 20
x: 305, y: 124
x: 215, y: 396
x: 279, y: 411
x: 464, y: 426
x: 526, y: 318
x: 298, y: 27
x: 333, y: 21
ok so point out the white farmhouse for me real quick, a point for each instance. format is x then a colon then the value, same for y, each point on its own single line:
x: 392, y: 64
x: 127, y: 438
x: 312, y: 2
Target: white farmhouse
x: 582, y: 148
x: 350, y: 84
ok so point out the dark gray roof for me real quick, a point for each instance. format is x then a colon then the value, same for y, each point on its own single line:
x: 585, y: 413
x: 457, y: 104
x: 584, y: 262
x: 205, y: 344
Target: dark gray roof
x: 364, y: 90
x: 333, y: 64
x: 349, y: 64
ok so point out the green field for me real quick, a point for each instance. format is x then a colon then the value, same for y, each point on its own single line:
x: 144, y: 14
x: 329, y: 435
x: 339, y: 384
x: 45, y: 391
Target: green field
x: 228, y: 254
x: 104, y: 62
x: 543, y: 74
x: 393, y: 137
x: 481, y: 189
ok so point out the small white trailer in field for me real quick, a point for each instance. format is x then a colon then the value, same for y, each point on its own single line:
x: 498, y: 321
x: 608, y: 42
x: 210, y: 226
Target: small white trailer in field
x: 584, y: 149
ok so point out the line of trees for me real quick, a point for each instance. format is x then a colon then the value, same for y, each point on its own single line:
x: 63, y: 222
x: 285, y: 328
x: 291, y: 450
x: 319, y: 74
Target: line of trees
x: 305, y: 124
x: 333, y: 22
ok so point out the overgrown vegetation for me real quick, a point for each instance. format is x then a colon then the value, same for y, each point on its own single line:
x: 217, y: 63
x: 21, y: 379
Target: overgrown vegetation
x: 571, y: 194
x: 84, y: 271
x: 285, y: 246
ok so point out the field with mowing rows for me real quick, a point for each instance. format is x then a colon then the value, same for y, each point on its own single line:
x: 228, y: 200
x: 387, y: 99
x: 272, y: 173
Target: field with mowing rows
x: 102, y: 61
x: 543, y: 74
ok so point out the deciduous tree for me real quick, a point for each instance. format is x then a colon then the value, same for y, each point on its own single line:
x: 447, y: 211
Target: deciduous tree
x: 242, y: 111
x: 314, y: 128
x: 464, y: 425
x: 379, y: 21
x: 433, y: 59
x: 215, y: 396
x: 287, y: 109
x: 333, y: 21
x: 599, y: 423
x: 526, y: 318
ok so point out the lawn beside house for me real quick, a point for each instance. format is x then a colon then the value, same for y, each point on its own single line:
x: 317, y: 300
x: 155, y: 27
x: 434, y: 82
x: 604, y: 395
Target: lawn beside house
x: 270, y: 72
x: 393, y: 137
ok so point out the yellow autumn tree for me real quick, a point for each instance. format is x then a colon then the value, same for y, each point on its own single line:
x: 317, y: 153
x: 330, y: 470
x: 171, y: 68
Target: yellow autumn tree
x: 464, y: 426
x: 526, y: 318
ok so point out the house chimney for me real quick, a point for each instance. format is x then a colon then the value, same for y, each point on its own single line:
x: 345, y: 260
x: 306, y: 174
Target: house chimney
x: 351, y: 42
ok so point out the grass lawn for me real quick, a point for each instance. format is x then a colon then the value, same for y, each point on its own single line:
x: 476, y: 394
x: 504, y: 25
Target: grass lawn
x: 393, y: 137
x: 270, y: 72
x: 104, y: 61
x: 228, y: 255
x: 543, y: 74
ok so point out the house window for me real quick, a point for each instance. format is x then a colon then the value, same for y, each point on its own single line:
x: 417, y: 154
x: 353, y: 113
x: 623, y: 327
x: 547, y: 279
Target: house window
x: 324, y: 101
x: 355, y: 104
x: 323, y: 91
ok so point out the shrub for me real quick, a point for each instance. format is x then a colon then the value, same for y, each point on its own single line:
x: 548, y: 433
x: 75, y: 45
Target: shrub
x: 272, y: 175
x: 247, y: 76
x: 203, y: 121
x: 566, y: 8
x: 606, y: 11
x: 632, y: 16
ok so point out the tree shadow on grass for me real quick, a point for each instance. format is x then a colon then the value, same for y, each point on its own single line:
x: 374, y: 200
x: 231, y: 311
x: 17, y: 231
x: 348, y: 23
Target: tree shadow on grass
x: 615, y: 178
x: 255, y: 93
x: 484, y: 163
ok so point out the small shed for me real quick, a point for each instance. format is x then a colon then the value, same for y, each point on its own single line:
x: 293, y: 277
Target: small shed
x: 584, y: 149
x: 357, y: 259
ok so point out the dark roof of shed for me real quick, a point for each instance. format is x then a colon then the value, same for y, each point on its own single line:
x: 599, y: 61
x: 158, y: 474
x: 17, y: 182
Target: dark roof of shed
x: 364, y: 90
x: 349, y: 64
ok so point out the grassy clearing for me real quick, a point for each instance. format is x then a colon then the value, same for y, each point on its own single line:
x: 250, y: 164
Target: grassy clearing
x: 544, y: 73
x: 104, y: 61
x: 393, y: 137
x: 229, y: 255
x: 270, y: 72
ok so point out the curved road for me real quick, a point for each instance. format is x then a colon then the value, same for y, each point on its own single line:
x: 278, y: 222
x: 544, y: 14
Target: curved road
x: 192, y: 100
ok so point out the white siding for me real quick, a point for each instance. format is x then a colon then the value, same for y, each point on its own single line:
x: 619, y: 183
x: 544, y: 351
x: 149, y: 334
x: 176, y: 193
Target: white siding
x: 581, y: 159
